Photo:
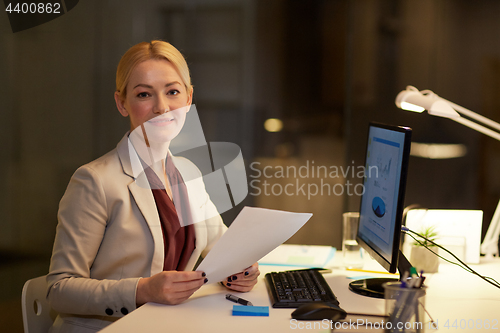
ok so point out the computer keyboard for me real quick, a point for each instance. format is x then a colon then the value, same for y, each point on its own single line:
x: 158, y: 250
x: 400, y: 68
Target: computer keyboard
x: 291, y: 289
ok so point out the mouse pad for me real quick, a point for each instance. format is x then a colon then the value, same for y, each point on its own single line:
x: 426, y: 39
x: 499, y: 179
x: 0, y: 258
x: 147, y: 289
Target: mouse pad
x: 351, y: 302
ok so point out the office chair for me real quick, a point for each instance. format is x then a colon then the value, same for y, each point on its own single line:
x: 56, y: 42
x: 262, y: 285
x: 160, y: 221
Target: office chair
x: 38, y: 316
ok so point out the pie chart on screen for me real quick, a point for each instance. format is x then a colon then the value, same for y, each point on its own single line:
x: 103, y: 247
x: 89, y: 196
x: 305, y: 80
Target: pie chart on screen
x: 378, y: 206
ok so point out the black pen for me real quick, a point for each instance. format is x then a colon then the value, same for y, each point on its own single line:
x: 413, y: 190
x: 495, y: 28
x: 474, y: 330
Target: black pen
x: 236, y: 299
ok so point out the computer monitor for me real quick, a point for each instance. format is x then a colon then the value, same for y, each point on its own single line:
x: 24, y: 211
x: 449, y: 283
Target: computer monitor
x: 382, y: 203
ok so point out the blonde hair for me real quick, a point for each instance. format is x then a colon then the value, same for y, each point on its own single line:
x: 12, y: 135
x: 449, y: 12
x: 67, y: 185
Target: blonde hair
x: 141, y: 52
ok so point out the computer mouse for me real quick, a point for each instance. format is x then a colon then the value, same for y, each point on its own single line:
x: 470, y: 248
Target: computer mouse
x: 319, y: 311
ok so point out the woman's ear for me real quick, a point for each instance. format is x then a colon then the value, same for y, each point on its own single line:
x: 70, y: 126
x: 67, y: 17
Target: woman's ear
x: 119, y: 105
x: 190, y: 100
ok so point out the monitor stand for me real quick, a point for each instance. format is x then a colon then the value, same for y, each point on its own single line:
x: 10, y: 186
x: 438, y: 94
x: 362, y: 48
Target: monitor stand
x: 373, y: 287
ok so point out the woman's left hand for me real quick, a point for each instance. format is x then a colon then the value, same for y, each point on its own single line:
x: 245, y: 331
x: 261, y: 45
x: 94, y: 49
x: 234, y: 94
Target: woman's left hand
x: 243, y: 281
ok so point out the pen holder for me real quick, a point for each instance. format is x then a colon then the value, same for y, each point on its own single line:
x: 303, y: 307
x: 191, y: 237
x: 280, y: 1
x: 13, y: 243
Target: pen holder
x: 405, y: 308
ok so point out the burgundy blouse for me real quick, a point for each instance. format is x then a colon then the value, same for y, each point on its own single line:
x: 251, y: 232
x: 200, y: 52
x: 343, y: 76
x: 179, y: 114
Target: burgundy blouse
x: 176, y: 222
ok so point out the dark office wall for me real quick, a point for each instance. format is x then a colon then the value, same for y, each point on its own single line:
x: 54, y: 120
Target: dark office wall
x: 47, y: 103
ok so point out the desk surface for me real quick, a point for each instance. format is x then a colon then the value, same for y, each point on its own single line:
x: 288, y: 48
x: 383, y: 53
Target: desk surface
x: 457, y: 300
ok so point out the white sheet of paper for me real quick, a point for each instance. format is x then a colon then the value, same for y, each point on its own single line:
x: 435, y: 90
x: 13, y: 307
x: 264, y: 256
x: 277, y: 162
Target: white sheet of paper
x: 299, y: 255
x: 254, y: 233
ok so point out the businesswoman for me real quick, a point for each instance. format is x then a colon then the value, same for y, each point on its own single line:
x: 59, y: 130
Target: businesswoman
x: 131, y: 227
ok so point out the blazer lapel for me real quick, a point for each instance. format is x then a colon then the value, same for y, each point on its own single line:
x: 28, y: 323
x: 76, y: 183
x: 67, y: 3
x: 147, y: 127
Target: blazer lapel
x: 140, y: 191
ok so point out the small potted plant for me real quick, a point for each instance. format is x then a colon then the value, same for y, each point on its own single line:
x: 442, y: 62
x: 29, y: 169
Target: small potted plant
x: 421, y: 257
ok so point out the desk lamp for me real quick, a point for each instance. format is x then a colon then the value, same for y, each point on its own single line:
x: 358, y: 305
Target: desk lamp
x: 412, y: 99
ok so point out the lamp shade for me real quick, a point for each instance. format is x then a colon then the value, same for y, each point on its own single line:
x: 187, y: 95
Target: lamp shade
x: 412, y: 99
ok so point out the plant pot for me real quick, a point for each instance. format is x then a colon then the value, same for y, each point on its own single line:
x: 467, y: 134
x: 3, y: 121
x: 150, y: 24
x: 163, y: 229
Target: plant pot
x: 423, y: 259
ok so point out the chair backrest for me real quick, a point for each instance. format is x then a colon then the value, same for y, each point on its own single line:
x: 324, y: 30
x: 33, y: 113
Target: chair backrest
x: 38, y: 316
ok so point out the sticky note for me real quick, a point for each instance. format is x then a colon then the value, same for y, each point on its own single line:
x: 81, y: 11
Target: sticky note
x: 256, y: 311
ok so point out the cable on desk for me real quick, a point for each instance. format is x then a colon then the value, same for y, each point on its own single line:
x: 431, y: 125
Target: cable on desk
x: 462, y: 264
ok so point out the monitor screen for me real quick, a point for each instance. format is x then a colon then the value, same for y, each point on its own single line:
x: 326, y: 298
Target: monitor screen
x: 381, y: 208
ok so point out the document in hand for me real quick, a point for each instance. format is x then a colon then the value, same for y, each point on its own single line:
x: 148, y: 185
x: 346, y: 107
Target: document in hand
x: 254, y: 233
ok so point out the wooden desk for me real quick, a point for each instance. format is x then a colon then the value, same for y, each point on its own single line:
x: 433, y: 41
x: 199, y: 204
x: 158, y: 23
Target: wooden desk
x: 456, y: 299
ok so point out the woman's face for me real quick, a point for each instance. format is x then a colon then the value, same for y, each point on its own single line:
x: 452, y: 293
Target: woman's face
x: 157, y: 98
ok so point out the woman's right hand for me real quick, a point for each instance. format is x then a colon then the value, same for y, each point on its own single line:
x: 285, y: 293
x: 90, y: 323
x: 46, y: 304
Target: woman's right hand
x: 169, y: 287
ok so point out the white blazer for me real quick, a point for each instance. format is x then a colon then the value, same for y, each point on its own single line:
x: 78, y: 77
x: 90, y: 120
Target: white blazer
x: 109, y: 236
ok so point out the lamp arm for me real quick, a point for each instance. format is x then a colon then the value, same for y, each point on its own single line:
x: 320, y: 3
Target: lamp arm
x: 490, y: 242
x: 477, y: 127
x: 473, y: 115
